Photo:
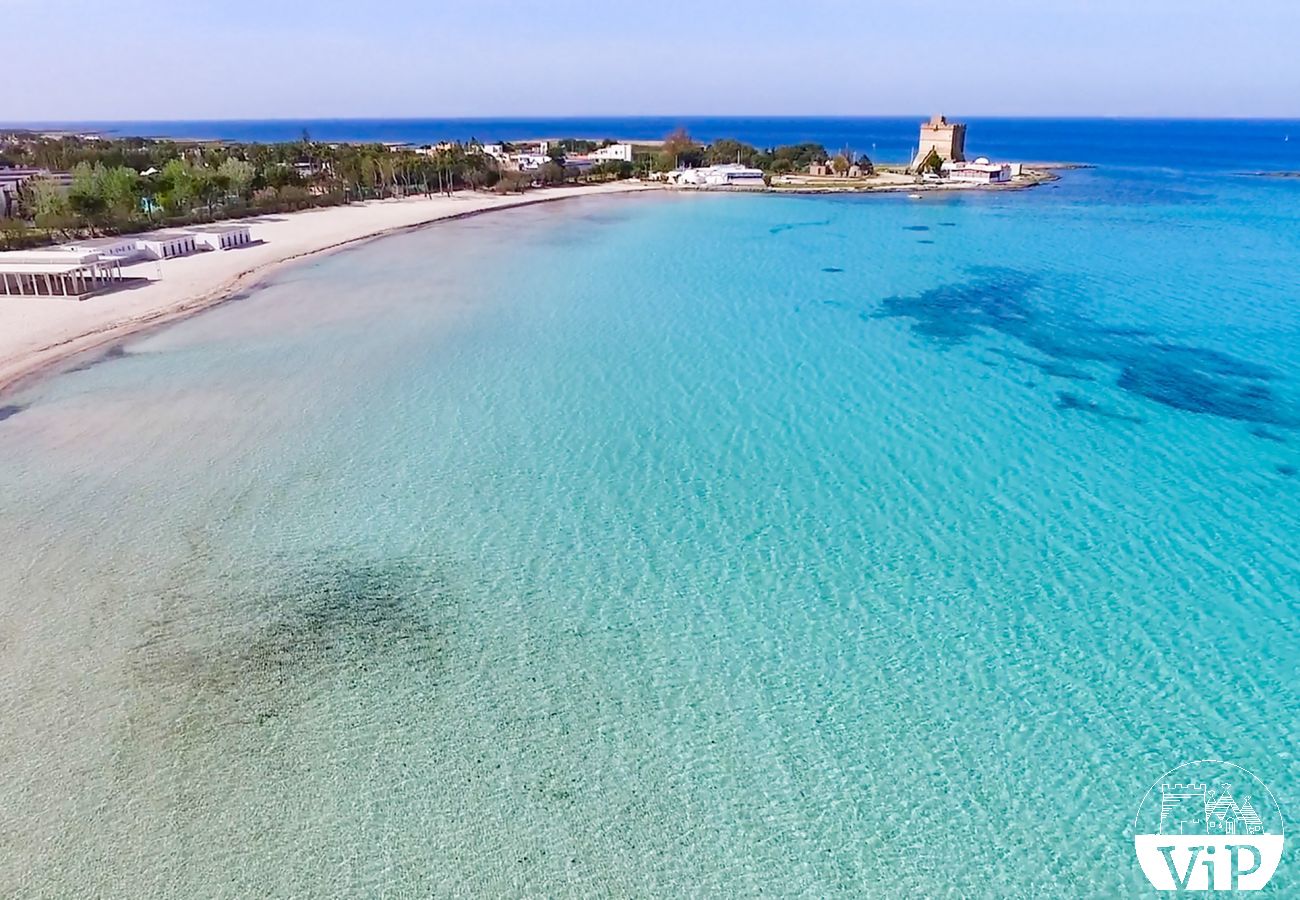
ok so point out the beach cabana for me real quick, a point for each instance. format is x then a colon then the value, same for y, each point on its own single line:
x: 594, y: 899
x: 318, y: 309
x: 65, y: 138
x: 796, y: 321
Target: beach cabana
x: 167, y: 244
x: 56, y: 274
x: 123, y: 249
x: 222, y: 237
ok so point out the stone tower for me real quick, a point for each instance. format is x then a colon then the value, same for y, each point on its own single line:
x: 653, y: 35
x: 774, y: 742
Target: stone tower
x: 947, y: 139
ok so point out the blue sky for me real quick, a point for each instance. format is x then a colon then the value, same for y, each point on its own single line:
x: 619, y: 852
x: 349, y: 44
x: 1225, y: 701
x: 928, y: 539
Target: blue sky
x: 131, y: 59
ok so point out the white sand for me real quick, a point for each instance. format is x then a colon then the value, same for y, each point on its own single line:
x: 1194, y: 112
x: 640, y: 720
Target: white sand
x: 38, y: 331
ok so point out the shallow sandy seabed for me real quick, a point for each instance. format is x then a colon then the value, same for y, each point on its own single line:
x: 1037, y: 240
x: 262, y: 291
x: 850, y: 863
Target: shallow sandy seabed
x: 36, y: 332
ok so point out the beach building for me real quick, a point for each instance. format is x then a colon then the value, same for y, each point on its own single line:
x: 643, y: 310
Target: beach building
x: 221, y: 237
x: 945, y: 139
x: 824, y: 169
x: 614, y: 153
x: 429, y: 149
x: 167, y: 244
x: 981, y: 171
x: 529, y: 162
x: 726, y: 175
x: 124, y: 248
x: 737, y: 175
x: 310, y: 171
x: 56, y: 273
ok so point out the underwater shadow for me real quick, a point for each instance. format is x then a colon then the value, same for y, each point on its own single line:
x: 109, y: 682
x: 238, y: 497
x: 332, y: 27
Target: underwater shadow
x: 1017, y: 305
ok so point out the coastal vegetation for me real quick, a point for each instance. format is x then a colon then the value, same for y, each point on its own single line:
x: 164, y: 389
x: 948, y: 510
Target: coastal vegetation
x: 95, y: 184
x: 679, y: 149
x: 112, y: 185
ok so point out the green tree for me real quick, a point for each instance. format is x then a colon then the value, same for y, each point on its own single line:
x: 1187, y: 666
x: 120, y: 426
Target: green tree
x: 794, y: 157
x: 178, y: 187
x: 13, y: 233
x: 612, y: 169
x: 511, y: 183
x: 552, y: 173
x: 86, y: 195
x: 45, y: 202
x: 678, y: 149
x: 120, y: 188
x: 728, y: 150
x: 210, y: 186
x: 239, y: 175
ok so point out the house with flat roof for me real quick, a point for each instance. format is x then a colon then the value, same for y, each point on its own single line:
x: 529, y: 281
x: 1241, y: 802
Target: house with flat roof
x: 725, y: 175
x: 981, y: 171
x: 167, y: 244
x: 123, y: 248
x: 222, y: 236
x: 614, y: 152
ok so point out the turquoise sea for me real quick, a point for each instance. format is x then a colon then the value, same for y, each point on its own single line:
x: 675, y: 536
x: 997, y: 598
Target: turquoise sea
x: 708, y: 546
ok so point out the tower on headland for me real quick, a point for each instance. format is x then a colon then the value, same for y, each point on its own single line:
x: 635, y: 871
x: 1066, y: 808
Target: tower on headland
x: 945, y: 139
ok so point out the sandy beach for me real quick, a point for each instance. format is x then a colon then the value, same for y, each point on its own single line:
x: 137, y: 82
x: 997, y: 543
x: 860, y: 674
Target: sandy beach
x: 37, y: 332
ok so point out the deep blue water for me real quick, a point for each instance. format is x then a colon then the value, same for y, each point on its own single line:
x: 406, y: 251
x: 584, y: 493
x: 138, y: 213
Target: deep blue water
x: 1181, y: 144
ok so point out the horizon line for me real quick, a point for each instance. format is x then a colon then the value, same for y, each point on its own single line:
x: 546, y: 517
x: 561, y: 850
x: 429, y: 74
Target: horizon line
x: 647, y: 116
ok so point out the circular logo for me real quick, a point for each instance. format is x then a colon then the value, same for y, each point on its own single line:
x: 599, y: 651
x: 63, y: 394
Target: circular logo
x: 1209, y: 825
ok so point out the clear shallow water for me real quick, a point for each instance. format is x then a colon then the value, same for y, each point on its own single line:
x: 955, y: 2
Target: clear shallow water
x: 707, y: 545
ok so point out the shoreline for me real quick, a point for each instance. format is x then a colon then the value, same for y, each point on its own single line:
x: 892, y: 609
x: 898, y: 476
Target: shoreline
x: 56, y: 333
x: 39, y: 335
x: 891, y: 181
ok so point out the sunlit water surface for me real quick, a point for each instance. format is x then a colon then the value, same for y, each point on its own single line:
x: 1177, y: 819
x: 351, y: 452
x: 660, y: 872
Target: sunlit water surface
x: 694, y: 546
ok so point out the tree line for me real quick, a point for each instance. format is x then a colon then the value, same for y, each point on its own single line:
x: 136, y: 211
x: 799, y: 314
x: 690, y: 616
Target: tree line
x: 121, y: 185
x: 129, y: 184
x: 680, y: 149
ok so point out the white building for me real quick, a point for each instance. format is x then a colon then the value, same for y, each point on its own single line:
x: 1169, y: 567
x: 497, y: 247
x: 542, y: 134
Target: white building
x: 528, y: 162
x: 56, y: 273
x: 727, y: 175
x: 981, y: 171
x: 221, y: 237
x: 123, y: 249
x: 734, y: 175
x: 614, y: 152
x: 167, y: 244
x: 430, y: 149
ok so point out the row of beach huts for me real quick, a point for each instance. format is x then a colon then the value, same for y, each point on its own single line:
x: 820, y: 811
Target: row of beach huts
x: 87, y: 266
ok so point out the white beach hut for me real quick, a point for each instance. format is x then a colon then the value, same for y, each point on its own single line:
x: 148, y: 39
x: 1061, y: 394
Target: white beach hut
x: 167, y: 244
x: 124, y: 248
x: 222, y: 237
